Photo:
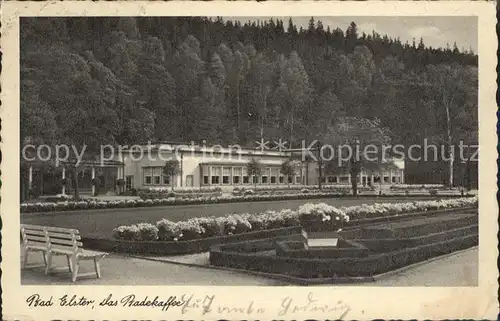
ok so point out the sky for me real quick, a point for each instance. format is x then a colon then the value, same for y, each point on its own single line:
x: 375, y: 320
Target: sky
x: 435, y: 31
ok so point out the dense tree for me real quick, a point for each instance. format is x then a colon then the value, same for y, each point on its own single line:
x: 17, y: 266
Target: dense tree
x: 171, y: 169
x: 359, y: 143
x: 125, y: 80
x: 254, y: 169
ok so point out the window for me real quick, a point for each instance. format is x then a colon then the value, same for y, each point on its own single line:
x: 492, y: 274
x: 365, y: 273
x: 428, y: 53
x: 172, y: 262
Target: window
x: 290, y: 179
x: 154, y: 176
x: 226, y: 174
x: 332, y: 179
x: 255, y: 179
x: 129, y: 182
x: 205, y: 180
x: 157, y: 172
x: 323, y: 179
x: 148, y: 176
x: 216, y: 171
x: 236, y: 175
x: 394, y: 179
x: 386, y: 179
x: 245, y: 180
x: 297, y: 179
x: 264, y: 176
x: 282, y: 180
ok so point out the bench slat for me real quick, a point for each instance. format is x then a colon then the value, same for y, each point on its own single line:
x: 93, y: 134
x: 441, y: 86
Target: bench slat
x: 36, y: 239
x: 53, y: 234
x: 49, y: 228
x: 64, y: 236
x: 64, y: 242
x: 37, y: 247
x: 65, y: 250
x: 33, y: 232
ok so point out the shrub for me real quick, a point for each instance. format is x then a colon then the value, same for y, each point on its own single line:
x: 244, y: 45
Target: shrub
x: 433, y: 192
x: 236, y: 224
x: 190, y: 229
x: 257, y: 222
x: 147, y: 232
x: 248, y: 192
x: 167, y: 230
x: 323, y: 211
x: 212, y: 226
x: 128, y: 233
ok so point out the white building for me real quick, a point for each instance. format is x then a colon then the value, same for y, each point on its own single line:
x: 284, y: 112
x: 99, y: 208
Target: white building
x: 202, y: 166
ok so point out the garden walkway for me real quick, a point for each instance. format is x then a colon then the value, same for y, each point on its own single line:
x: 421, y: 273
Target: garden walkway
x: 457, y: 269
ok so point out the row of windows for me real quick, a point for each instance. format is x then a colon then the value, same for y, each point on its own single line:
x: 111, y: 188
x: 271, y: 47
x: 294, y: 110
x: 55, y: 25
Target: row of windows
x: 215, y: 180
x: 365, y: 179
x: 154, y: 176
x: 216, y: 175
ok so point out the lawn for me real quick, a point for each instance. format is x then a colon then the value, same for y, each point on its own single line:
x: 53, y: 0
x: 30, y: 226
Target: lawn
x: 100, y: 223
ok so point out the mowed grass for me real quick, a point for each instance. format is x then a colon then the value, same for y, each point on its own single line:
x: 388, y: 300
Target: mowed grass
x: 100, y: 223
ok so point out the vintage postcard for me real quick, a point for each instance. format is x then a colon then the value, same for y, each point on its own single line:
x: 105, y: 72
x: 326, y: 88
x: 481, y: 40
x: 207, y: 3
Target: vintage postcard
x: 226, y: 160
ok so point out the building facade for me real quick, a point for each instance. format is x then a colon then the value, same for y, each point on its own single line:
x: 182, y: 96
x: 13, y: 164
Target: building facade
x: 141, y: 167
x: 227, y: 167
x: 205, y: 167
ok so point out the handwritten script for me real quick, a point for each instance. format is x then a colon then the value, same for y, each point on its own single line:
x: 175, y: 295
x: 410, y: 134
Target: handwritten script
x: 204, y: 305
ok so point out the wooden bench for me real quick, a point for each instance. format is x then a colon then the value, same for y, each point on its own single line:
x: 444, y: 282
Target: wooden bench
x: 56, y: 241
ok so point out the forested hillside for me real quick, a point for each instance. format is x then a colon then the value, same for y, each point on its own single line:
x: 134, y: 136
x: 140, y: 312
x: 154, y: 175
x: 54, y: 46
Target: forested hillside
x: 126, y: 80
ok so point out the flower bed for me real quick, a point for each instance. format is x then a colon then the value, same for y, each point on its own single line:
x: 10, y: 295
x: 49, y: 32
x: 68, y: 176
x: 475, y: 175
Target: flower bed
x: 405, y: 187
x: 280, y: 190
x: 189, y: 195
x: 182, y: 190
x: 198, y: 228
x: 323, y: 215
x: 89, y: 204
x: 30, y: 207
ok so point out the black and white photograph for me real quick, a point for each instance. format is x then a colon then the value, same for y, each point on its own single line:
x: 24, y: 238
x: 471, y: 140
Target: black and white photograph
x: 308, y: 151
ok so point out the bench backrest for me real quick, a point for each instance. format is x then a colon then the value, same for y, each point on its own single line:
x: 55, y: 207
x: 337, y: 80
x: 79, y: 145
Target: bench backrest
x: 51, y: 237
